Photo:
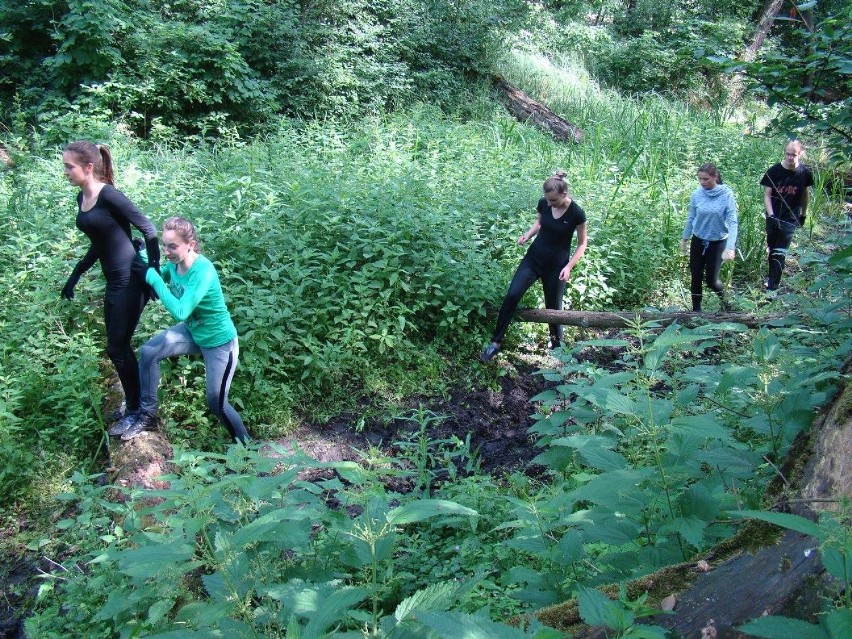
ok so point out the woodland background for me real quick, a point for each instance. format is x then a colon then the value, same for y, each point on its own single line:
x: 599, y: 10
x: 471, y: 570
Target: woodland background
x: 359, y: 186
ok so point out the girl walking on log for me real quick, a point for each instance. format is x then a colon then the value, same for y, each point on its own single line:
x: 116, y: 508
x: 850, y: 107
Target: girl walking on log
x: 548, y: 259
x: 191, y: 292
x: 105, y: 215
x: 712, y: 224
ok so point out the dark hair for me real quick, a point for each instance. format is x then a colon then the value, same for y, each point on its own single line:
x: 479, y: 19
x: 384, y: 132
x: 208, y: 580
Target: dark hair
x: 185, y: 229
x: 710, y: 169
x: 96, y: 154
x: 556, y: 182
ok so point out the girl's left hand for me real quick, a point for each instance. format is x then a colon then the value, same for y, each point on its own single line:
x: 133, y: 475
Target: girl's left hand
x: 565, y: 274
x: 727, y: 255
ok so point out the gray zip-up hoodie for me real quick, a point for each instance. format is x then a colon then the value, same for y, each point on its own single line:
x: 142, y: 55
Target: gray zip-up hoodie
x: 713, y: 215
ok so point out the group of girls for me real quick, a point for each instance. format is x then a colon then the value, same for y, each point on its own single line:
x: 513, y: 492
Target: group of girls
x: 709, y: 237
x: 188, y: 285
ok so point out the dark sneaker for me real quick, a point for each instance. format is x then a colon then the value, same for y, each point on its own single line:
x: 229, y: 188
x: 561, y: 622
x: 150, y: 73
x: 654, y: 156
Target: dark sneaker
x: 143, y: 421
x: 490, y: 351
x: 121, y: 426
x: 117, y: 415
x: 553, y: 344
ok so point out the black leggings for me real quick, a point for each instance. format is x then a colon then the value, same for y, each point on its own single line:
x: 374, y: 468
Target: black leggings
x: 779, y: 235
x: 530, y: 270
x: 122, y: 309
x: 705, y: 256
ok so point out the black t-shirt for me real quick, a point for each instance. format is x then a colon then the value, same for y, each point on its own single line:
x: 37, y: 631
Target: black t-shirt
x: 107, y: 225
x: 553, y: 241
x: 788, y: 186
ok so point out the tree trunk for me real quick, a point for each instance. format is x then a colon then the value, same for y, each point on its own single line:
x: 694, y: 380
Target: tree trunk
x: 767, y: 17
x: 527, y: 110
x: 597, y: 319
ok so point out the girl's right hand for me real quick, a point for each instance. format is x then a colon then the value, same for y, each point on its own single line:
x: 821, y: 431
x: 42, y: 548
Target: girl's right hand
x: 684, y: 247
x: 521, y: 240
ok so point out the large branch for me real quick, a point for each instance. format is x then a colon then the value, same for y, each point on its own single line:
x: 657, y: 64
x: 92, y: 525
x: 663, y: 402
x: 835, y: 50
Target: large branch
x: 598, y: 319
x: 527, y: 110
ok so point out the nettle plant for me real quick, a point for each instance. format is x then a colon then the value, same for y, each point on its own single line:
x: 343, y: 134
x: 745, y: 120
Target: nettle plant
x: 652, y: 450
x: 242, y: 545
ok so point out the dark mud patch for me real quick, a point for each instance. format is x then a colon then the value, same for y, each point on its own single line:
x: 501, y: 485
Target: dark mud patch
x: 490, y: 426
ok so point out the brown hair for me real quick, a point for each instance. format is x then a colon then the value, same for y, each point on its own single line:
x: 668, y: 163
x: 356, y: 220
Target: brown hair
x: 185, y: 229
x: 556, y: 182
x: 98, y: 155
x: 710, y: 169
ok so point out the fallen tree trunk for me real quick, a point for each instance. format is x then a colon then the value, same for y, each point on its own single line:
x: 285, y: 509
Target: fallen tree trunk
x: 599, y: 319
x: 527, y: 110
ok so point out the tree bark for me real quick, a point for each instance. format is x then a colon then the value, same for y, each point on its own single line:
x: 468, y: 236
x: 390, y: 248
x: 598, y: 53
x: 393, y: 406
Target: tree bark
x: 764, y: 24
x: 597, y: 319
x: 527, y: 110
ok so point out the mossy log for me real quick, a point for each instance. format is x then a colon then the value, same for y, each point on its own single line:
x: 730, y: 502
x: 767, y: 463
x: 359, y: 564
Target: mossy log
x: 757, y: 572
x: 600, y: 319
x: 527, y: 110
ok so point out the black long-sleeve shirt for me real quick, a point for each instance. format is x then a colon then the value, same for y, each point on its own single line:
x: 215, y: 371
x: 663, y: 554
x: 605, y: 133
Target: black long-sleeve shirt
x: 107, y: 224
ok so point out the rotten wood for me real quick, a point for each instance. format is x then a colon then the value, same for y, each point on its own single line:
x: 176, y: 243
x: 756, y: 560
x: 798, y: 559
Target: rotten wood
x: 529, y: 111
x: 600, y: 319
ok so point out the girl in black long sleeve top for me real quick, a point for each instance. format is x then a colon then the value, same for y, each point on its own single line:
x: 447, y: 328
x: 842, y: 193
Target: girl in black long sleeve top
x: 105, y: 215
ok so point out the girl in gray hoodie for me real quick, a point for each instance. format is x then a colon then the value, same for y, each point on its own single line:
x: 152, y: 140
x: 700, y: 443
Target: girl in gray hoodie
x: 712, y: 224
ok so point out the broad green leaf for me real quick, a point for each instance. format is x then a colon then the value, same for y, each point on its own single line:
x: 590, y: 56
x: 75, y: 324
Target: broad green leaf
x: 706, y: 426
x: 331, y: 609
x: 773, y: 627
x: 596, y: 609
x: 838, y: 623
x: 438, y: 596
x: 612, y: 530
x: 785, y: 520
x: 594, y: 450
x: 642, y: 631
x: 838, y: 563
x: 426, y: 509
x: 457, y: 624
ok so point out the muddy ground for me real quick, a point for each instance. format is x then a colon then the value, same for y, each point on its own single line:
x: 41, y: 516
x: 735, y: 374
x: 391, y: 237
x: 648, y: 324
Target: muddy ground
x: 496, y: 420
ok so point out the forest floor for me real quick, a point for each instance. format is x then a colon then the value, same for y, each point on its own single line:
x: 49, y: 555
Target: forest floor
x: 496, y: 421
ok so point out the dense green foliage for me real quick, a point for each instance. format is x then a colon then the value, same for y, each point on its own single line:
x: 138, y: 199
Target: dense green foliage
x: 363, y: 259
x: 651, y: 464
x: 218, y: 68
x: 210, y: 66
x: 812, y: 83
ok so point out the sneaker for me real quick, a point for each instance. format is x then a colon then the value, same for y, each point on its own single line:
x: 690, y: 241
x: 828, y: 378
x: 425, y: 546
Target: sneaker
x: 143, y: 421
x: 121, y: 426
x: 118, y: 414
x: 553, y: 344
x: 490, y: 351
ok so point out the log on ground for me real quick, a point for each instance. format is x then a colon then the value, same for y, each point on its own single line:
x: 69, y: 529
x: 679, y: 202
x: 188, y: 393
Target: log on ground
x: 529, y: 111
x: 601, y: 319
